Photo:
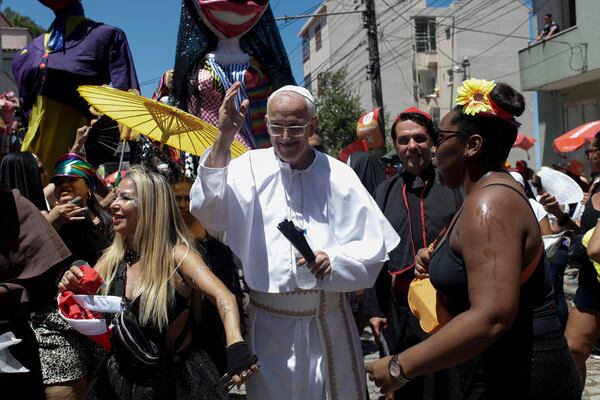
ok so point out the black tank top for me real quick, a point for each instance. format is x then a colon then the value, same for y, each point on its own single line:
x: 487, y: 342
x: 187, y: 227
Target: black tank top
x: 590, y: 214
x: 587, y: 273
x: 176, y: 307
x: 536, y: 313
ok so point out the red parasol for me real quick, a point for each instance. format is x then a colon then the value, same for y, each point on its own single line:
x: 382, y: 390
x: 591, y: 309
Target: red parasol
x: 524, y: 142
x: 576, y: 138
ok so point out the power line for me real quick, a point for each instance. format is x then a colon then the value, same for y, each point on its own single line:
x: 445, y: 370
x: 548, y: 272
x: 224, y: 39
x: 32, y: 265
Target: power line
x: 323, y: 68
x: 309, y: 10
x: 285, y: 18
x: 532, y: 65
x: 510, y: 33
x: 386, y: 44
x: 276, y: 4
x: 331, y: 56
x: 325, y: 37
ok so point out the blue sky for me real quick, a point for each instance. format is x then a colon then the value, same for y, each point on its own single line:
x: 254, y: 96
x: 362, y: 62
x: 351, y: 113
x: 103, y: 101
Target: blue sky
x: 151, y: 28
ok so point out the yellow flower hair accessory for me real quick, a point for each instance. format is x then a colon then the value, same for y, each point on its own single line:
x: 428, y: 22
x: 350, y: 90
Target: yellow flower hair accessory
x: 474, y: 95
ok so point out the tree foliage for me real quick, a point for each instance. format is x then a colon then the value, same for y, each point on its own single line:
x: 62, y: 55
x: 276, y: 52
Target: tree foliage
x: 22, y: 21
x: 338, y: 109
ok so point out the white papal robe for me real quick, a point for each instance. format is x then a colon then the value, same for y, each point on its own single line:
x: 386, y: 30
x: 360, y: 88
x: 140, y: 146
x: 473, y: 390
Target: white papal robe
x: 306, y: 341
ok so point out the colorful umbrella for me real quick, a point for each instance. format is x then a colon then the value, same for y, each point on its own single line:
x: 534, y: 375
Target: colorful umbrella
x: 576, y: 138
x: 158, y: 121
x: 524, y: 142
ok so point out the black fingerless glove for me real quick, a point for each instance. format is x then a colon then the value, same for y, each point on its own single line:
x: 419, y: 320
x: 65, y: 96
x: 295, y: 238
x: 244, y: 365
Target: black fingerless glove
x: 239, y: 357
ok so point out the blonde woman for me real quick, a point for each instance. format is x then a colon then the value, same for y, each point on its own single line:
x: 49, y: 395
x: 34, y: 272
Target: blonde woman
x: 151, y: 254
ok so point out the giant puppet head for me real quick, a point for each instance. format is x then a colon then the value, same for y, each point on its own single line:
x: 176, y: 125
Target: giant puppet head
x: 204, y: 22
x: 228, y: 19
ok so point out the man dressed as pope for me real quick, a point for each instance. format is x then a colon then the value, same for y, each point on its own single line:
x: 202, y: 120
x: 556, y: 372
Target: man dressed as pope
x: 301, y: 327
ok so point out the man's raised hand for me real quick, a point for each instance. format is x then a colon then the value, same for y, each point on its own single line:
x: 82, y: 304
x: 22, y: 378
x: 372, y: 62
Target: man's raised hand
x: 230, y: 119
x: 230, y: 123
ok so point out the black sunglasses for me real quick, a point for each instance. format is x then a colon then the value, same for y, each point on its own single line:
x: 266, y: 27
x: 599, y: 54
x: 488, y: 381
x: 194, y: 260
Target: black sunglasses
x: 440, y: 141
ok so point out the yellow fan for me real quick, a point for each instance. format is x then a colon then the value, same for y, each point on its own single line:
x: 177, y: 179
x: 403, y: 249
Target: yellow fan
x: 156, y: 120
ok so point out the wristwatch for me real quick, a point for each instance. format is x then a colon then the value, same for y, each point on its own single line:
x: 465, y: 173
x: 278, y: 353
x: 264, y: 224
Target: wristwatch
x: 396, y: 371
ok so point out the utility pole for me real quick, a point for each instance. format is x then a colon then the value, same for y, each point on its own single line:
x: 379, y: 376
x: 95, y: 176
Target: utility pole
x: 374, y: 71
x: 466, y: 67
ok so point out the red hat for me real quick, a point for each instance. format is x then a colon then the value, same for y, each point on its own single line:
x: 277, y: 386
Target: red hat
x: 413, y: 110
x: 427, y: 124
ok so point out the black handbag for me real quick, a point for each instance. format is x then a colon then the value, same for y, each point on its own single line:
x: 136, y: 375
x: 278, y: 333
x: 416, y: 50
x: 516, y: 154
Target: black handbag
x: 128, y: 337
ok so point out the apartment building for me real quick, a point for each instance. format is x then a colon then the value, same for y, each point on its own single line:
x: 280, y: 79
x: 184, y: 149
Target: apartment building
x: 426, y: 47
x: 564, y: 71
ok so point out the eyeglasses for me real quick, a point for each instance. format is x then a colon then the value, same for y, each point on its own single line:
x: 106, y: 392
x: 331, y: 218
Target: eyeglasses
x: 440, y: 141
x: 591, y: 151
x: 294, y: 130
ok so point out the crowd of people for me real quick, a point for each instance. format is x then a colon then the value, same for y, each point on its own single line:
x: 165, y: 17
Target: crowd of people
x: 183, y: 277
x: 173, y: 249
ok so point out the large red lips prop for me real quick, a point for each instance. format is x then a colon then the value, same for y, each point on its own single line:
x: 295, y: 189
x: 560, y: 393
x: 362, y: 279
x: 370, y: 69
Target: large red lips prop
x: 57, y: 5
x: 229, y: 19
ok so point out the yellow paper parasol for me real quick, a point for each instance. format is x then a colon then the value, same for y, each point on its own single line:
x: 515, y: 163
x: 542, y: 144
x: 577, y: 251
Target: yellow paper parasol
x: 158, y: 121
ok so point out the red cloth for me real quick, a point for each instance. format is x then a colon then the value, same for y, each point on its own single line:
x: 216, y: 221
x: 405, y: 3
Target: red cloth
x: 358, y: 145
x: 91, y: 281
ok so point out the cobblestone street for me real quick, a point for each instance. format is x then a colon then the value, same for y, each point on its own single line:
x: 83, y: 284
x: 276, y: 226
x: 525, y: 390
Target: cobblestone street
x: 592, y: 385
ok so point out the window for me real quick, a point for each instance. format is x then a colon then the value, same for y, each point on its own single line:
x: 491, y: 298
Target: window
x: 307, y: 82
x: 319, y: 83
x: 318, y: 37
x: 572, y: 13
x: 448, y: 33
x: 305, y: 48
x: 579, y: 113
x: 450, y: 73
x: 427, y: 82
x: 425, y: 34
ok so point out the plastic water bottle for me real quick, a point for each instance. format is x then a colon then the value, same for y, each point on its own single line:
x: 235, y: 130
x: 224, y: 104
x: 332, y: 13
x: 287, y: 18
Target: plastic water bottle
x: 304, y: 278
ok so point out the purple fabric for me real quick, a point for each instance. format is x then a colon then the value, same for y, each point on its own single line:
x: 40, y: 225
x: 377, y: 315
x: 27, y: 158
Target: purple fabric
x: 93, y: 54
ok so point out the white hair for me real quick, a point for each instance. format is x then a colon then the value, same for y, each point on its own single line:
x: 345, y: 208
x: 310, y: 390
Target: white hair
x: 299, y: 90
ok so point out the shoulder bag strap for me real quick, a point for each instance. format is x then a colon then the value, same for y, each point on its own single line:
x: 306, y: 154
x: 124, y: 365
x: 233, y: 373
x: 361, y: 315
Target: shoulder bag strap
x: 118, y: 285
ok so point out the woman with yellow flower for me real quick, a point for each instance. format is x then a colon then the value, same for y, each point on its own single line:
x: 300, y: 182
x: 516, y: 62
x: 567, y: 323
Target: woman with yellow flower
x: 504, y: 336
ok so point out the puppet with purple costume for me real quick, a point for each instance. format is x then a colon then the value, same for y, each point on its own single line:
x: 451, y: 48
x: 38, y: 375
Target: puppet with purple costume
x: 76, y: 51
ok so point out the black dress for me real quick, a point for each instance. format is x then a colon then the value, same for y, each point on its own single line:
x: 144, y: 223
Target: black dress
x: 189, y: 374
x: 530, y: 361
x: 587, y: 295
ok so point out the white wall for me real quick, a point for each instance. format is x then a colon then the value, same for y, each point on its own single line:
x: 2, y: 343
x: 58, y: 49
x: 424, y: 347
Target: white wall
x: 346, y: 40
x: 319, y: 59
